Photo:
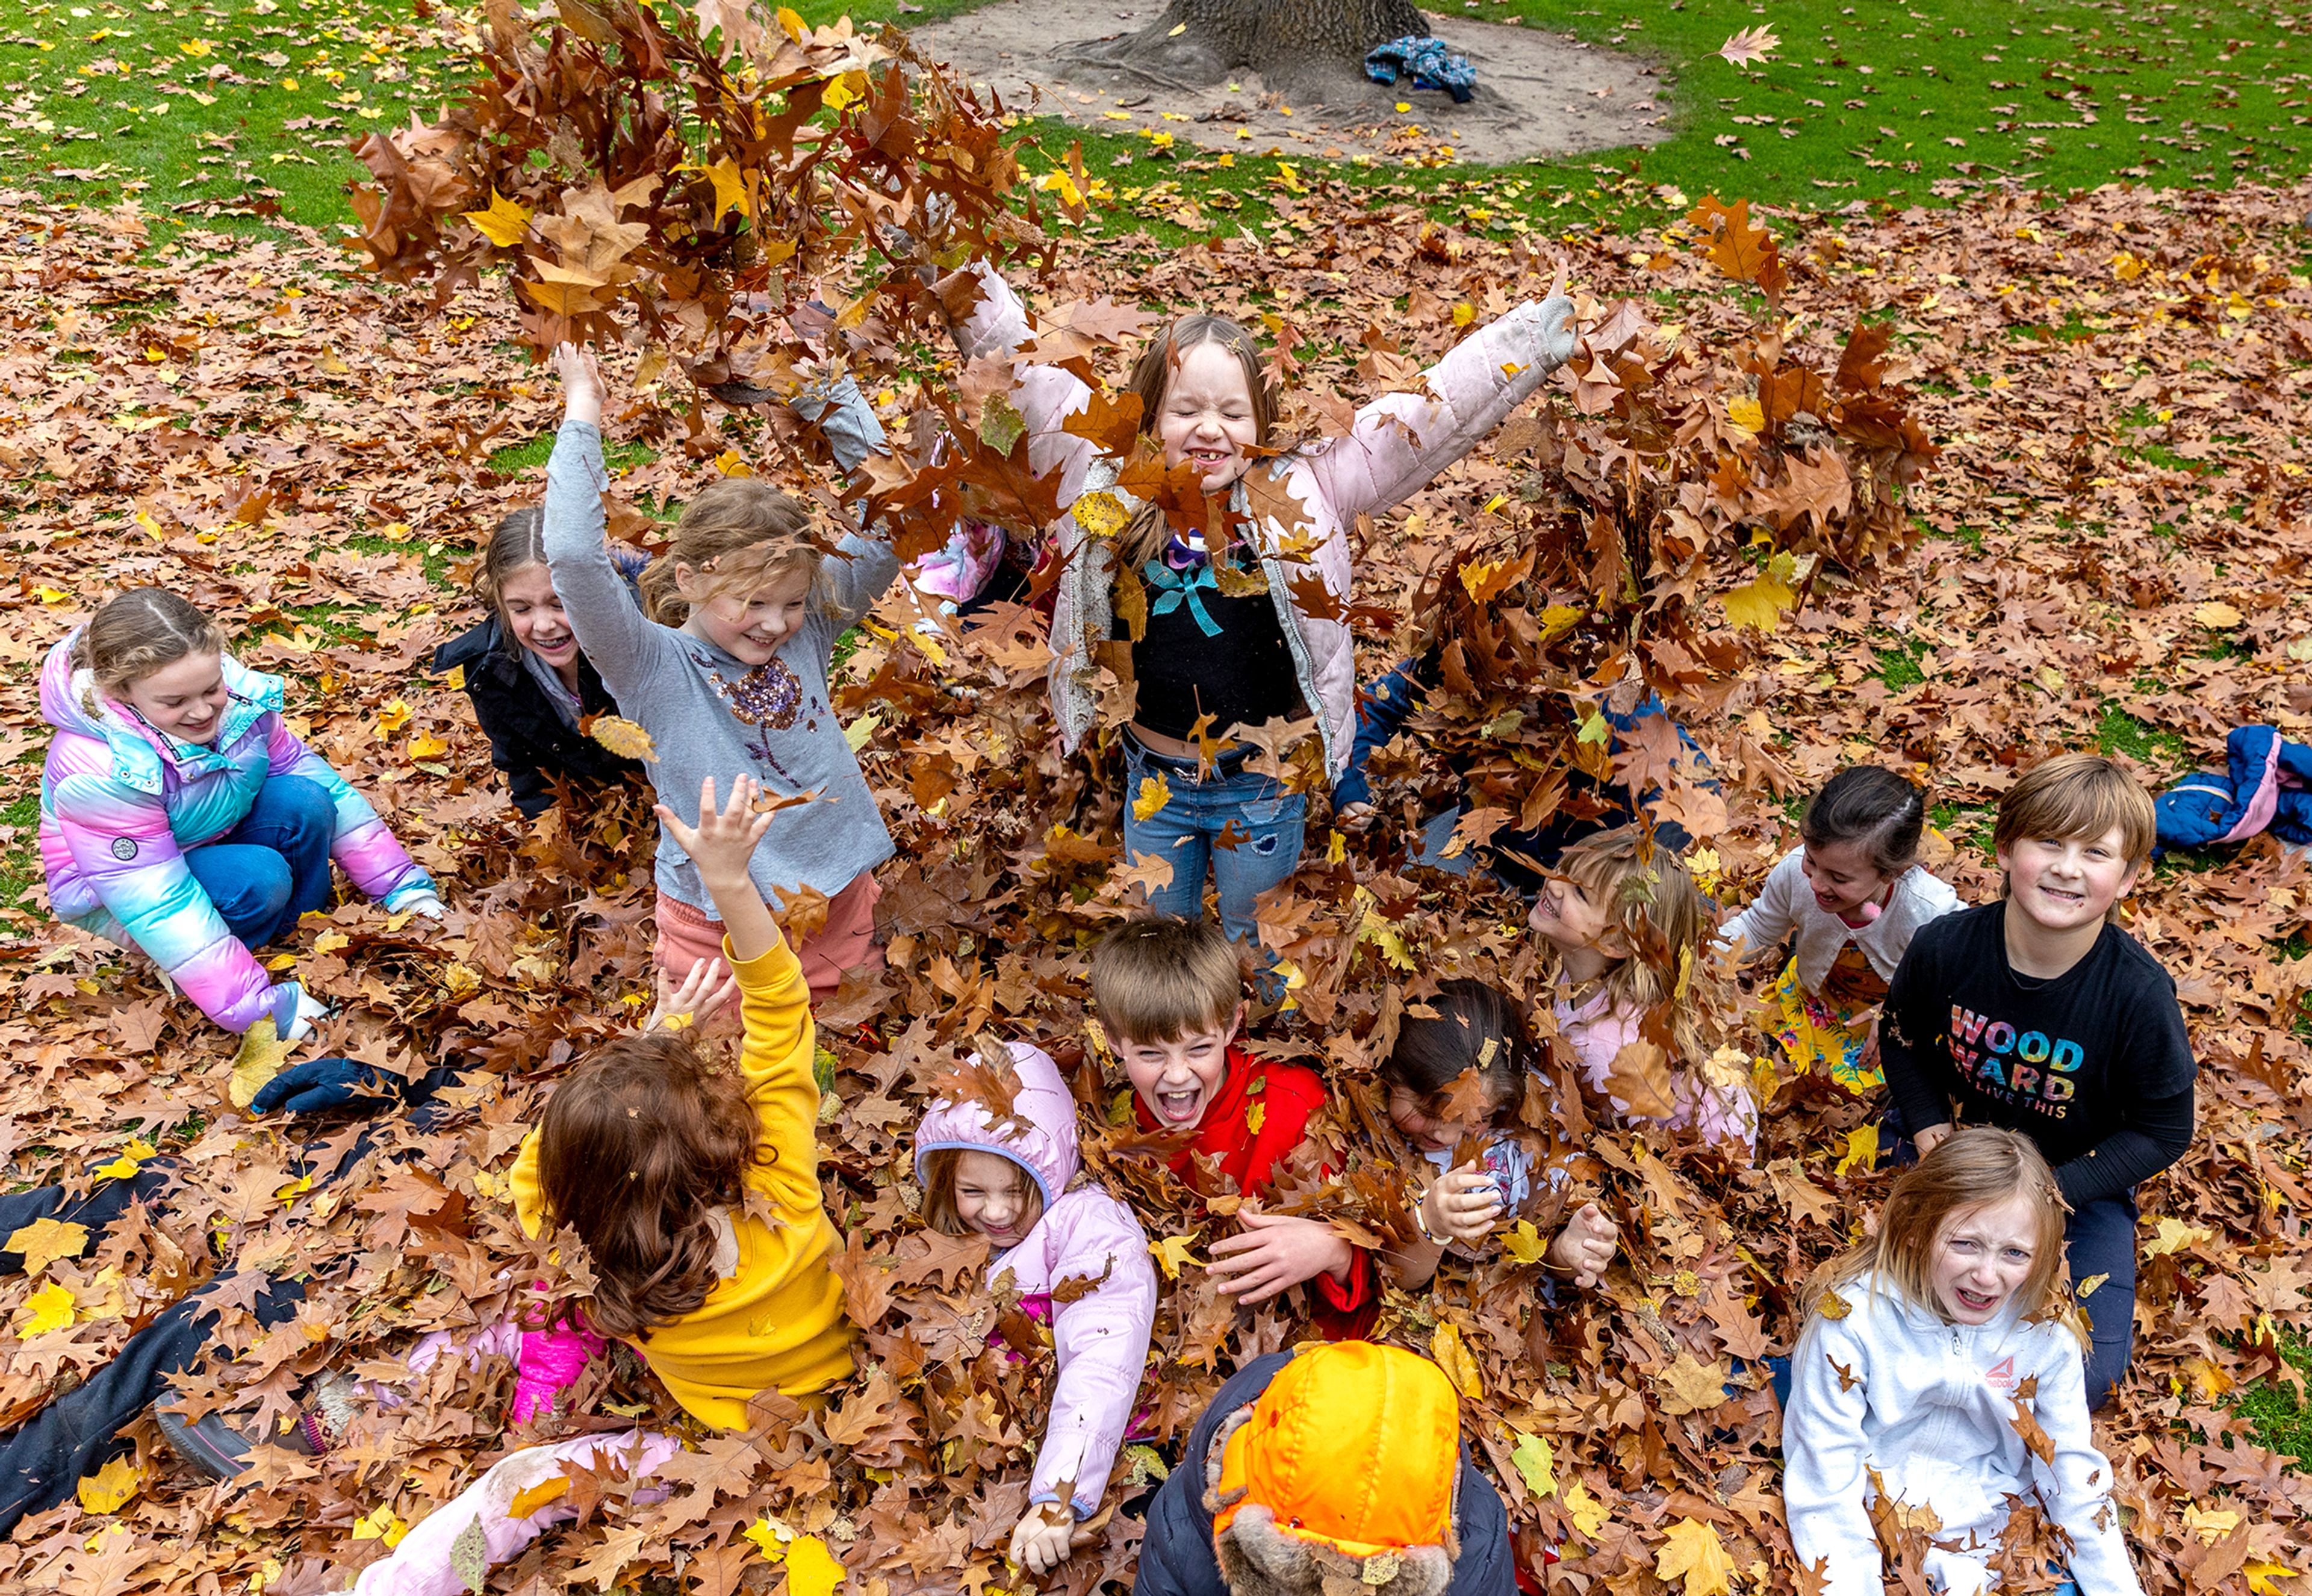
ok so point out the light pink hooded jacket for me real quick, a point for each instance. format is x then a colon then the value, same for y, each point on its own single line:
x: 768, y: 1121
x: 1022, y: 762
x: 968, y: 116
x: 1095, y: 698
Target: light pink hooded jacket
x: 1101, y: 1337
x: 1399, y: 441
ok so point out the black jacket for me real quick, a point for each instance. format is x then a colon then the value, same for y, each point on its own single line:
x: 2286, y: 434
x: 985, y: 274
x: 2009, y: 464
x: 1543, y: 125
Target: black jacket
x: 1177, y: 1558
x: 528, y: 740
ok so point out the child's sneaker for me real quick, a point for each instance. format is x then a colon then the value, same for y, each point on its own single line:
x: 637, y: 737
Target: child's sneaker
x: 212, y: 1445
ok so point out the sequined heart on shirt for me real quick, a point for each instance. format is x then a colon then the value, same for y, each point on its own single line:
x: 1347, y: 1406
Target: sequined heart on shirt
x: 770, y: 695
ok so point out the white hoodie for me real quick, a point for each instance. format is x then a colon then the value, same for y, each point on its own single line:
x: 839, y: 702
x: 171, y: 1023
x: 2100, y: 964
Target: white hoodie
x: 1930, y: 1408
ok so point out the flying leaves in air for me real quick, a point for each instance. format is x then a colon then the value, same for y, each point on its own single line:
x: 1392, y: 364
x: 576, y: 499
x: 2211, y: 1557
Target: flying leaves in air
x: 622, y: 737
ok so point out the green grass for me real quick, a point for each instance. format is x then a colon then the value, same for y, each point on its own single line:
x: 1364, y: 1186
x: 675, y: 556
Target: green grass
x: 20, y: 856
x: 229, y: 111
x: 2120, y: 732
x: 2281, y: 1424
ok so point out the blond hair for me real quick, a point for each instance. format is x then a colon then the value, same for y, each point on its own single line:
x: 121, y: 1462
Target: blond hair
x: 1650, y: 897
x: 1975, y: 1167
x: 738, y: 533
x: 2078, y: 797
x: 939, y: 1191
x: 136, y: 633
x: 1159, y: 979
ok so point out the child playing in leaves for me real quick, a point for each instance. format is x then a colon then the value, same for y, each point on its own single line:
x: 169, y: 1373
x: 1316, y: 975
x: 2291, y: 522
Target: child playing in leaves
x: 1940, y: 1372
x: 1625, y: 920
x: 696, y: 1194
x: 532, y: 687
x: 728, y: 670
x: 1330, y: 1468
x: 1852, y: 895
x: 180, y: 816
x: 1230, y: 621
x: 1077, y: 1261
x: 1456, y: 1077
x: 2039, y: 1014
x: 1170, y: 994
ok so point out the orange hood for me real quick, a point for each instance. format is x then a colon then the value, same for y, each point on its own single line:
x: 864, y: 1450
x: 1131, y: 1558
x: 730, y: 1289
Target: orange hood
x: 1351, y: 1445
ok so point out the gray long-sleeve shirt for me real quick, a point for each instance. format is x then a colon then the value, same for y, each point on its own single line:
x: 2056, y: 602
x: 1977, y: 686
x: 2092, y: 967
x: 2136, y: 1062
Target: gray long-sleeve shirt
x: 674, y: 685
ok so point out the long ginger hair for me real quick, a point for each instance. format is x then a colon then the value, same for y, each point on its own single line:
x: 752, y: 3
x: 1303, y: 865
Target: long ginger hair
x: 636, y: 1151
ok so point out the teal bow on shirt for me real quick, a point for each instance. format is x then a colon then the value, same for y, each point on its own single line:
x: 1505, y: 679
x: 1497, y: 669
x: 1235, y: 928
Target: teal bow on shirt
x: 1179, y: 586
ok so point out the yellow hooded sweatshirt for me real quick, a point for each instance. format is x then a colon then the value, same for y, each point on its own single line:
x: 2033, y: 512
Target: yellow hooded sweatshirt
x: 777, y: 1318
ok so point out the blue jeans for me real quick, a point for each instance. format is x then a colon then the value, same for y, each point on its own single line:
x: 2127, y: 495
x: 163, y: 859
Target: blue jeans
x: 1268, y: 824
x: 272, y: 869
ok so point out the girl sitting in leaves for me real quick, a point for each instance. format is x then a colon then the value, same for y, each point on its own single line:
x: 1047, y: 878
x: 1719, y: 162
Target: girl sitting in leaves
x: 1218, y: 583
x: 1455, y: 1080
x: 1853, y: 897
x: 727, y: 671
x: 1625, y: 920
x: 1941, y: 1371
x: 531, y: 686
x: 180, y: 816
x: 695, y: 1193
x: 1078, y: 1260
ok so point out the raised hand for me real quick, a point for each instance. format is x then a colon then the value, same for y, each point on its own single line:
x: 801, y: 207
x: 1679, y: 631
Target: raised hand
x: 580, y: 370
x: 723, y: 844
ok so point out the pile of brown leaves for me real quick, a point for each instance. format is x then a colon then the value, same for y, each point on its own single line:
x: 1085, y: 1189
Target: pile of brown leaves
x: 2116, y: 521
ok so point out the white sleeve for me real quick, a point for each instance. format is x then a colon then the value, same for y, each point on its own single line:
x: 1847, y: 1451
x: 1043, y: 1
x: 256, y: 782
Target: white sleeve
x: 1826, y: 1470
x: 1763, y: 927
x: 2075, y: 1489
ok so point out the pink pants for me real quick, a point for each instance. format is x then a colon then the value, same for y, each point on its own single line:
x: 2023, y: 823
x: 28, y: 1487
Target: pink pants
x: 421, y: 1565
x: 845, y: 942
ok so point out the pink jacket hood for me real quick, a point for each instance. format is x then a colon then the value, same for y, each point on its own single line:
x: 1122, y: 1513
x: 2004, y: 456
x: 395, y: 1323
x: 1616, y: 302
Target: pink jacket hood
x: 1101, y: 1335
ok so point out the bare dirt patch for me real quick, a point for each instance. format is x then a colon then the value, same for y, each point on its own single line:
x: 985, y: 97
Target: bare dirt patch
x: 1539, y: 93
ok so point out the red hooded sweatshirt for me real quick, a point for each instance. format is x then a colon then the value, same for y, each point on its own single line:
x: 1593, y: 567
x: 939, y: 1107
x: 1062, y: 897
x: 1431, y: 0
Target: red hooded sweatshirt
x: 1260, y: 1115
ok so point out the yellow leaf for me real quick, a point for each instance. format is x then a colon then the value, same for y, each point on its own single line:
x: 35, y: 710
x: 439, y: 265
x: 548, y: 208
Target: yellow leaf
x: 732, y: 463
x: 1178, y: 29
x: 131, y: 1159
x: 391, y: 719
x: 261, y: 1056
x: 383, y: 1524
x: 1172, y: 1251
x: 770, y: 1537
x: 2260, y: 1576
x: 1861, y: 1149
x: 2210, y: 1524
x: 623, y: 738
x: 51, y: 1308
x: 1525, y: 1245
x: 1101, y: 514
x: 195, y: 46
x: 811, y: 1571
x: 1534, y: 1462
x: 1453, y: 1355
x: 545, y: 1491
x: 1256, y: 1117
x: 427, y: 747
x: 1154, y: 794
x: 1589, y: 1514
x: 1689, y: 1385
x: 793, y: 25
x: 1594, y: 728
x: 2175, y: 1236
x: 1388, y: 938
x: 44, y: 1241
x: 841, y: 91
x: 2218, y: 615
x: 504, y: 224
x: 1833, y: 1306
x: 1694, y: 1553
x: 329, y: 942
x: 1558, y: 620
x: 1464, y: 313
x: 730, y: 189
x: 1759, y: 604
x: 1478, y: 573
x: 110, y: 1487
x: 1747, y: 414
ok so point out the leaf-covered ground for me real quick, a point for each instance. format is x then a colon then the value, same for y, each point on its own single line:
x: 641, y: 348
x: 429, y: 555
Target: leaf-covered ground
x: 2113, y: 548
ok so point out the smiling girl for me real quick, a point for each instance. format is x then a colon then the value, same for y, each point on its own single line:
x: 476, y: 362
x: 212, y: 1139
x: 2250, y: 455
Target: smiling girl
x: 1076, y: 1258
x: 180, y: 814
x: 1232, y: 631
x: 1852, y: 895
x: 728, y: 670
x: 1933, y: 1355
x: 531, y: 686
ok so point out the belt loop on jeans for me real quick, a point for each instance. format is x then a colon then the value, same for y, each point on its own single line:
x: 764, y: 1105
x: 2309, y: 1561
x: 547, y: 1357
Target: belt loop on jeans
x: 1227, y: 765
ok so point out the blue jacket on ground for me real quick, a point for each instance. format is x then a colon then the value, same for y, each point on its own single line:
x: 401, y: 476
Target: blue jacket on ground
x: 2266, y: 785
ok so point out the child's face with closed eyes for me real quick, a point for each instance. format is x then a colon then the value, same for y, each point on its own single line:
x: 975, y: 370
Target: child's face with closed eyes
x: 1206, y: 417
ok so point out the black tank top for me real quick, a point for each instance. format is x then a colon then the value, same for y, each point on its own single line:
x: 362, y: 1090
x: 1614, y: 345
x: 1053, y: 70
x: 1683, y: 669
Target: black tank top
x: 1242, y: 675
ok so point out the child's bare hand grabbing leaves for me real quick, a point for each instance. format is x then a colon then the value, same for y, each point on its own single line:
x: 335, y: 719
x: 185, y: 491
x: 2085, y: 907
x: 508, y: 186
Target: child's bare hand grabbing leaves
x: 1463, y: 1204
x: 1585, y: 1248
x: 1276, y: 1252
x: 581, y: 370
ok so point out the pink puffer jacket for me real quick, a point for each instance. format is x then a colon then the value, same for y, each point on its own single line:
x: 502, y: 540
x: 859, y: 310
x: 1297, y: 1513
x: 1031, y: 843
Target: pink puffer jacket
x: 1085, y: 1235
x: 1399, y: 443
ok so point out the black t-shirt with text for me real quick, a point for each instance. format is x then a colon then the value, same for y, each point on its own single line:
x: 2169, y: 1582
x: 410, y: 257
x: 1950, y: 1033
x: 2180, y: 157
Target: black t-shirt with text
x: 2093, y: 1064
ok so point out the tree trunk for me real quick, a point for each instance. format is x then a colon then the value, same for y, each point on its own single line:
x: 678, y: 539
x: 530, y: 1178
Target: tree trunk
x: 1312, y: 49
